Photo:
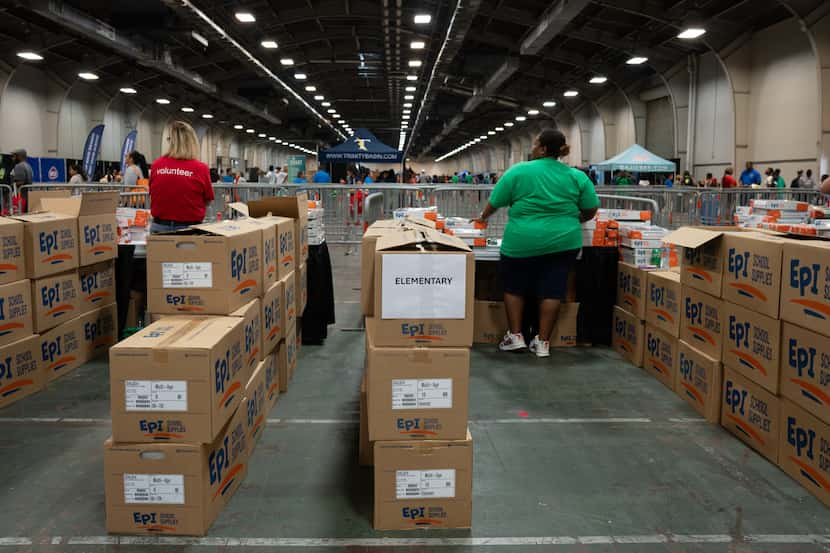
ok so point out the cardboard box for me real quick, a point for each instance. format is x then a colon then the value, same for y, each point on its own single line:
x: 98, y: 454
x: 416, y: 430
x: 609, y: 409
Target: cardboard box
x: 367, y: 261
x: 20, y: 373
x: 100, y: 330
x: 417, y: 393
x: 631, y: 289
x: 752, y: 276
x: 270, y: 369
x: 423, y: 290
x: 273, y: 317
x: 282, y: 262
x: 805, y: 370
x: 489, y: 322
x: 255, y: 406
x: 293, y: 207
x: 629, y: 336
x: 50, y: 243
x: 751, y: 413
x: 12, y: 263
x: 805, y: 300
x: 802, y: 450
x: 287, y: 358
x: 179, y: 379
x: 699, y: 381
x: 267, y: 248
x: 365, y: 448
x: 664, y: 301
x: 56, y: 299
x: 97, y: 225
x: 208, y: 269
x: 35, y: 196
x: 97, y: 285
x: 63, y: 349
x: 704, y: 323
x: 173, y: 488
x: 701, y: 265
x: 752, y: 345
x: 301, y: 289
x: 286, y: 248
x: 423, y: 484
x: 289, y: 304
x: 660, y: 355
x: 251, y: 315
x: 16, y: 320
x: 564, y: 332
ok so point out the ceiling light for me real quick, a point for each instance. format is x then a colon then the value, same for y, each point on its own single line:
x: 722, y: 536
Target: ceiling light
x: 407, y: 111
x: 188, y: 109
x: 598, y: 80
x: 238, y: 127
x: 405, y: 117
x: 87, y: 76
x: 270, y: 44
x: 318, y: 97
x: 207, y: 116
x: 412, y: 77
x: 199, y: 38
x: 279, y: 141
x: 331, y: 111
x: 272, y: 138
x: 415, y: 63
x: 250, y: 131
x: 691, y: 33
x: 127, y: 90
x: 262, y: 135
x: 411, y: 88
x: 483, y: 137
x: 29, y: 56
x: 336, y: 115
x: 509, y: 124
x: 491, y: 133
x: 300, y: 76
x: 287, y: 61
x: 409, y: 97
x: 521, y: 118
x: 499, y: 129
x: 407, y: 105
x: 571, y: 94
x: 637, y: 60
x: 311, y: 88
x: 549, y: 104
x: 533, y: 112
x: 417, y: 45
x: 245, y: 17
x: 162, y: 101
x: 422, y: 18
x: 326, y: 104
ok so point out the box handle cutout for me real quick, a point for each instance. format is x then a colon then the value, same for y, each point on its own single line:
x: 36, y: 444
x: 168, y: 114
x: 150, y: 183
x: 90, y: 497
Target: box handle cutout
x: 152, y: 455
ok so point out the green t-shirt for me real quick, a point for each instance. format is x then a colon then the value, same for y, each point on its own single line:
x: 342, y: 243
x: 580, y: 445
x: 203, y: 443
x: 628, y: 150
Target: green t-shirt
x: 454, y: 179
x: 545, y: 199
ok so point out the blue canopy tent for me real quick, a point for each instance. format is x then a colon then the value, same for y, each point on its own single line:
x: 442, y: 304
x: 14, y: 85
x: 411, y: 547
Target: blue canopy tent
x: 637, y: 159
x: 363, y: 147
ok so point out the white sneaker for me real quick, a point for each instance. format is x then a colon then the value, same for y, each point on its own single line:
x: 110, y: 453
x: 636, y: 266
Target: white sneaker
x: 540, y: 348
x: 512, y: 342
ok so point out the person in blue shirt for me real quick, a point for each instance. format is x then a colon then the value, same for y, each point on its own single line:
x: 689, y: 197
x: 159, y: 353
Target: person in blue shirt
x: 750, y: 176
x: 321, y: 176
x: 368, y: 179
x: 300, y: 178
x: 227, y: 177
x: 668, y: 183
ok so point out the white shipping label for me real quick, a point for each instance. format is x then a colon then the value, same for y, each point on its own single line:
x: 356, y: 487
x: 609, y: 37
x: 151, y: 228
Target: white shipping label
x: 426, y: 484
x: 154, y: 488
x: 424, y: 286
x: 187, y: 275
x: 427, y: 393
x: 155, y: 395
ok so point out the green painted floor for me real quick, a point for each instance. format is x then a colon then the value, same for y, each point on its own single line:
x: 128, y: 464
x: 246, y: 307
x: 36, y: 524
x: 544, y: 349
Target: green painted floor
x: 652, y: 473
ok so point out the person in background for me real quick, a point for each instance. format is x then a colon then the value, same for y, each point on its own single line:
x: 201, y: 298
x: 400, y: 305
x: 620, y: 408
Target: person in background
x: 728, y: 181
x: 368, y: 179
x: 455, y: 178
x: 180, y: 187
x: 687, y: 179
x: 282, y: 175
x: 710, y: 181
x: 136, y: 169
x: 548, y: 201
x: 271, y: 176
x: 76, y: 174
x: 807, y: 181
x: 778, y: 180
x: 228, y: 176
x: 669, y: 182
x: 300, y: 178
x: 796, y: 182
x: 321, y: 176
x: 750, y: 176
x: 769, y: 179
x: 825, y: 184
x: 21, y: 175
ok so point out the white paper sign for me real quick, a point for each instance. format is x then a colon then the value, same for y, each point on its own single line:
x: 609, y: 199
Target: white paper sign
x: 187, y: 275
x: 418, y: 286
x: 155, y: 395
x: 154, y: 488
x: 427, y: 393
x: 429, y: 484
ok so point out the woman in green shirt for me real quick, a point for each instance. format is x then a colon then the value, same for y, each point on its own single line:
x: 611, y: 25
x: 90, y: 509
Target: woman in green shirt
x: 548, y: 201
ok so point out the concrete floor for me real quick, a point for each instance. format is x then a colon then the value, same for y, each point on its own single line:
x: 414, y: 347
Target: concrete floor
x: 645, y: 475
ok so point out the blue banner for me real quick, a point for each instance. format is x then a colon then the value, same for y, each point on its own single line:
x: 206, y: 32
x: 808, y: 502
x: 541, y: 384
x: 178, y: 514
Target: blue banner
x: 129, y: 146
x: 91, y: 148
x: 34, y: 162
x: 52, y: 169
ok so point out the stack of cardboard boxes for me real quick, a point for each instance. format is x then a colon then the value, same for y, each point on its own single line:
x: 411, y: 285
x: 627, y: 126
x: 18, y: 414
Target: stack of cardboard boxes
x: 630, y: 313
x: 191, y: 392
x: 57, y: 291
x: 417, y: 295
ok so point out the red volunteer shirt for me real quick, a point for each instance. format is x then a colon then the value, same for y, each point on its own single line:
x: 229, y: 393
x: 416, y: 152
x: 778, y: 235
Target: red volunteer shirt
x: 729, y: 181
x: 180, y: 189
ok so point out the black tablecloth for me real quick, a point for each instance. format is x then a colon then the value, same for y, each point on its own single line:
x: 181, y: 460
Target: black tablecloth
x: 319, y: 310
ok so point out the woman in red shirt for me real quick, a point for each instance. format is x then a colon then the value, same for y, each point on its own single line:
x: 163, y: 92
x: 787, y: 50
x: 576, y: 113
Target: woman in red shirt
x: 180, y: 187
x: 728, y: 181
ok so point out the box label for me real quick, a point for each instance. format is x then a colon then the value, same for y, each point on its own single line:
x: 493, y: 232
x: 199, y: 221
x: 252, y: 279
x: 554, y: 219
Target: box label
x: 430, y: 393
x: 154, y: 488
x: 429, y: 484
x: 418, y: 286
x: 155, y: 395
x: 187, y: 275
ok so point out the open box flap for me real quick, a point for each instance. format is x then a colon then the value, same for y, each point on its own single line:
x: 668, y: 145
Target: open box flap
x: 88, y: 203
x: 294, y: 207
x: 410, y: 238
x: 690, y: 237
x: 240, y: 207
x: 224, y: 228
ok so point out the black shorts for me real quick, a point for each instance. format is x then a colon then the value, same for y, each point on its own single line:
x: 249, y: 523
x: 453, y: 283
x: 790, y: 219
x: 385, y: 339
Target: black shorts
x: 542, y: 276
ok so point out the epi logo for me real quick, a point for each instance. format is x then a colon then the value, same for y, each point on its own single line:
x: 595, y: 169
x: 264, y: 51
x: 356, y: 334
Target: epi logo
x: 657, y: 295
x: 694, y: 311
x: 738, y: 263
x: 50, y: 295
x: 739, y: 332
x: 48, y: 242
x: 92, y: 235
x: 802, y: 359
x: 735, y: 398
x: 653, y: 344
x: 804, y: 278
x: 238, y: 263
x: 218, y: 462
